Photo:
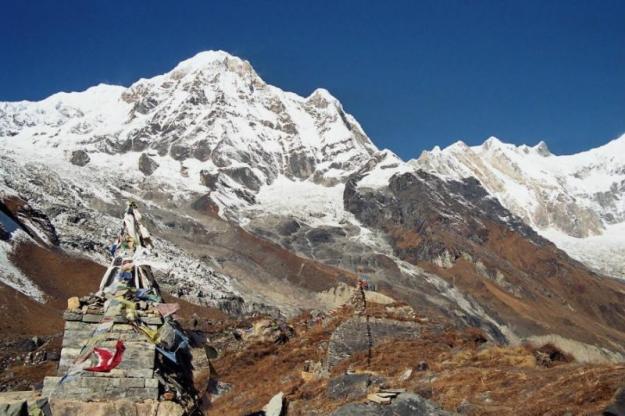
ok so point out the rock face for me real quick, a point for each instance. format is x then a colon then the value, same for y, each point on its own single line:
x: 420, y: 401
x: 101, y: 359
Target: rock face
x: 4, y: 233
x: 360, y: 332
x: 406, y: 404
x: 147, y: 165
x: 424, y: 203
x: 209, y: 179
x: 19, y: 214
x: 577, y: 201
x: 79, y: 158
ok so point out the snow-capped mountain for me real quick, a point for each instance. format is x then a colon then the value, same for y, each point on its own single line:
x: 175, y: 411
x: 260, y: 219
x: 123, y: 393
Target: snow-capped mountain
x: 211, y: 125
x: 577, y: 201
x: 211, y: 118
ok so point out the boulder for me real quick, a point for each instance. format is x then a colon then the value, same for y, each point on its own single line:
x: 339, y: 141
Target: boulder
x: 617, y: 408
x: 209, y: 179
x: 244, y: 176
x: 147, y: 165
x: 202, y: 150
x: 180, y: 152
x: 270, y: 330
x: 352, y: 336
x: 406, y: 404
x: 18, y: 213
x: 351, y: 386
x: 79, y: 158
x: 275, y: 407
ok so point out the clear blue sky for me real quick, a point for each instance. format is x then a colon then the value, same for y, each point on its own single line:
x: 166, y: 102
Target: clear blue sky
x: 414, y: 73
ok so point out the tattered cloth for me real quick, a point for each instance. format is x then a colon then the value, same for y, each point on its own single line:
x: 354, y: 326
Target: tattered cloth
x: 107, y: 359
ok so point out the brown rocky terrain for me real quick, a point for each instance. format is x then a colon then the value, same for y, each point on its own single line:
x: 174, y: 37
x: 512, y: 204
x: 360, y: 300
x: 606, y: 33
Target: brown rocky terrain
x: 457, y: 368
x: 460, y: 370
x: 455, y: 230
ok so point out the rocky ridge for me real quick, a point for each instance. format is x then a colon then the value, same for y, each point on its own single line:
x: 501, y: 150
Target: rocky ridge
x: 577, y: 201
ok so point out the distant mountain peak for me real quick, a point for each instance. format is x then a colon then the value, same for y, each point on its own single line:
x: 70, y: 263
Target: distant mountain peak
x: 542, y: 149
x: 491, y: 142
x: 577, y: 201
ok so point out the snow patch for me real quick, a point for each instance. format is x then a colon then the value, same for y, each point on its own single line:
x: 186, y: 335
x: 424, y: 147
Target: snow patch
x: 11, y: 275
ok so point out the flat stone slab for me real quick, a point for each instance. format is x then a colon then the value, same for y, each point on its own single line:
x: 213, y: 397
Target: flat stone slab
x: 77, y: 338
x: 126, y: 407
x: 92, y: 318
x: 14, y: 396
x: 72, y: 316
x: 101, y: 388
x: 146, y: 373
x: 151, y: 320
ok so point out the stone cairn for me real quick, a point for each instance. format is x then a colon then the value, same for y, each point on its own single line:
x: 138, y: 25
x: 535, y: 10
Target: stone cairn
x: 358, y: 299
x: 359, y: 302
x: 123, y: 342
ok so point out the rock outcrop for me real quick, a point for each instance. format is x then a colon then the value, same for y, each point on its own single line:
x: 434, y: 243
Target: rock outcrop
x: 147, y: 165
x: 352, y: 386
x: 360, y: 333
x: 79, y: 158
x: 405, y: 404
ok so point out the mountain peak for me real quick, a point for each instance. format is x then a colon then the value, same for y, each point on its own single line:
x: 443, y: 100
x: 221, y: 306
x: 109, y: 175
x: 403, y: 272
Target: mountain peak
x: 542, y: 149
x: 322, y: 93
x: 457, y: 145
x: 215, y: 61
x: 322, y: 98
x: 492, y: 142
x: 206, y: 58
